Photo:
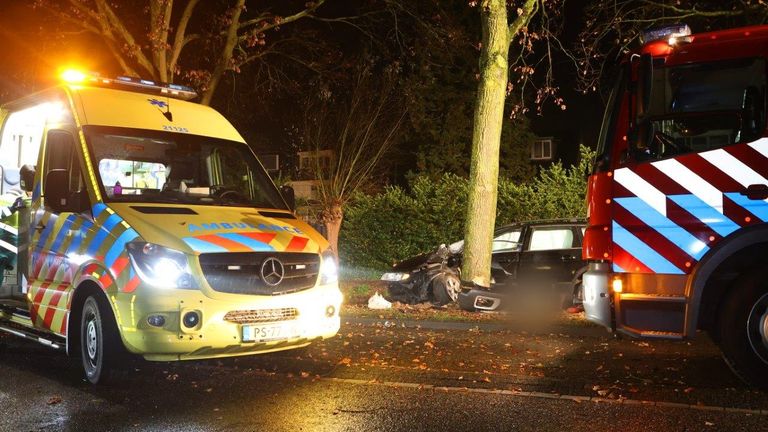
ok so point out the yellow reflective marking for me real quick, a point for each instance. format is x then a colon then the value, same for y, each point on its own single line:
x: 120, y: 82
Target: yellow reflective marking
x: 117, y: 310
x: 84, y: 148
x: 133, y: 310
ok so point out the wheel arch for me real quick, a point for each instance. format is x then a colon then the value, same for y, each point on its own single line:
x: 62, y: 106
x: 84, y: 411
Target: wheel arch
x: 713, y: 274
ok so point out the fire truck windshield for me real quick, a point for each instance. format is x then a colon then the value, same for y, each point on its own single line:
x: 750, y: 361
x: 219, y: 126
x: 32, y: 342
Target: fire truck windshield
x: 703, y: 106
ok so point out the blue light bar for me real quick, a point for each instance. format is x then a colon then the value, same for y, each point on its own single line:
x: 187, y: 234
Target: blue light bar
x: 148, y: 86
x: 665, y: 32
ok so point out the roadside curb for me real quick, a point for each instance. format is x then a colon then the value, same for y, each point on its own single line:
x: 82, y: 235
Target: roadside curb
x: 551, y: 396
x: 479, y: 326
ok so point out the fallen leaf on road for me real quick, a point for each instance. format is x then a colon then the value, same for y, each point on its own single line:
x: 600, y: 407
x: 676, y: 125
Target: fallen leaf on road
x: 53, y: 400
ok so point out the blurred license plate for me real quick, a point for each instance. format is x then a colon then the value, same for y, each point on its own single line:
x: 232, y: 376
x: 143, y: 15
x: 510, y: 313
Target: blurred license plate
x: 261, y: 333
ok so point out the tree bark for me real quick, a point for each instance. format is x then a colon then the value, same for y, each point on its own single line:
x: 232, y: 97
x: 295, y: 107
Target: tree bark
x: 332, y: 219
x: 486, y: 136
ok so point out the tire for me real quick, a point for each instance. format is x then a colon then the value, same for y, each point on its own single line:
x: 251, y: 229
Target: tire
x: 98, y: 341
x: 445, y: 289
x: 743, y: 329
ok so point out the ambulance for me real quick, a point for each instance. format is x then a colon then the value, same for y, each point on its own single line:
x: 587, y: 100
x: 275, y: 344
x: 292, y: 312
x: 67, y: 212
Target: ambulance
x: 150, y: 229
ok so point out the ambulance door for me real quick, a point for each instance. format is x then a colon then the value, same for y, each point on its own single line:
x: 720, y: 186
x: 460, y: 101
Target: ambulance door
x: 59, y: 228
x: 20, y: 141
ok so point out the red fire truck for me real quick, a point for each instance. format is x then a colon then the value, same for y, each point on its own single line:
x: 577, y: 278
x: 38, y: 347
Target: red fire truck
x: 677, y: 240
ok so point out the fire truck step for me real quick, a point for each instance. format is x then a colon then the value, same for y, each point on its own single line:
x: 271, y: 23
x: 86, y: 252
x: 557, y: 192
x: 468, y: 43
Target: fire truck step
x: 661, y: 335
x: 33, y: 336
x: 653, y: 298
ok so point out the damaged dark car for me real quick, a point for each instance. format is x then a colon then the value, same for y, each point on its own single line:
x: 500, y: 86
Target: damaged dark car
x: 537, y: 257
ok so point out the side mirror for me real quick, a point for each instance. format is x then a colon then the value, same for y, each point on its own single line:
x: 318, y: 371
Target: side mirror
x: 27, y: 174
x: 289, y: 195
x: 644, y: 86
x: 752, y: 114
x: 57, y: 190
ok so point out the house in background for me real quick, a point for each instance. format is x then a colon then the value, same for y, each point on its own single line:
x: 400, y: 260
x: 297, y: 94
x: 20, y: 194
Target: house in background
x: 310, y: 163
x: 271, y: 163
x: 544, y: 150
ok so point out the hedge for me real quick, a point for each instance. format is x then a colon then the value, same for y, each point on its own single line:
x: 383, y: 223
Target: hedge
x: 401, y: 222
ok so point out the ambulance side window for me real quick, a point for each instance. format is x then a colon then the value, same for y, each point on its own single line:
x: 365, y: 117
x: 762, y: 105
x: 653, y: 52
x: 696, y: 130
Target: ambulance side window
x: 61, y: 154
x: 19, y: 145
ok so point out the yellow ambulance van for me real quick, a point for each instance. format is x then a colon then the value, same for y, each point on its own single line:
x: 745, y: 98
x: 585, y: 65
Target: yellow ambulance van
x: 151, y: 228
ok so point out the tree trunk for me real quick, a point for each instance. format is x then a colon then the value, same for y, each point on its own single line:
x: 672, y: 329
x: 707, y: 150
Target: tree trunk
x: 332, y: 220
x: 225, y: 57
x: 486, y: 136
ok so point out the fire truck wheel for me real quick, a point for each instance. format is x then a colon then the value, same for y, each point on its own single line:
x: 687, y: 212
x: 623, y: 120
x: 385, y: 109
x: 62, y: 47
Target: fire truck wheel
x: 446, y: 288
x: 743, y: 328
x: 97, y: 341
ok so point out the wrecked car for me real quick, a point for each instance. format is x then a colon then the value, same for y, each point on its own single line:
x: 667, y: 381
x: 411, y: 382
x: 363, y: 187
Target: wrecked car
x: 540, y: 256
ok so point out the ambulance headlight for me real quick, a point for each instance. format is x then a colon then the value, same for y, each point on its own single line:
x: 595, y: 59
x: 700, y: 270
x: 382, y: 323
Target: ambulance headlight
x: 160, y: 266
x: 329, y: 271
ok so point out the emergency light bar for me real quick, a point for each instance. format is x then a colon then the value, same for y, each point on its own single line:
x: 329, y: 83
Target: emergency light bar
x: 672, y: 33
x: 137, y: 84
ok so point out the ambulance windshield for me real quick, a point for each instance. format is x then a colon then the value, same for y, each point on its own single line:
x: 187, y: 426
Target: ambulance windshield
x: 136, y: 165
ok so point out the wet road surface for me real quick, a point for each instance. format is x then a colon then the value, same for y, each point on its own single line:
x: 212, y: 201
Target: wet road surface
x: 377, y: 377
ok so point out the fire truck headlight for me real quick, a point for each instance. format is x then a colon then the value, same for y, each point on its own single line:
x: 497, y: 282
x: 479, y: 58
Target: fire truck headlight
x: 160, y: 266
x: 329, y: 271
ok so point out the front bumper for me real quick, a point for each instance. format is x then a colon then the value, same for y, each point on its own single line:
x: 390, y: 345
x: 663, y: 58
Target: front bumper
x: 480, y: 299
x: 597, y: 297
x: 214, y: 336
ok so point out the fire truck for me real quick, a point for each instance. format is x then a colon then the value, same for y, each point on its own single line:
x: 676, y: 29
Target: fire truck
x: 150, y: 228
x: 677, y: 239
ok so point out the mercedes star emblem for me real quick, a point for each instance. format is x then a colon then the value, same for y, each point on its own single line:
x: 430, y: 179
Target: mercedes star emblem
x: 272, y: 271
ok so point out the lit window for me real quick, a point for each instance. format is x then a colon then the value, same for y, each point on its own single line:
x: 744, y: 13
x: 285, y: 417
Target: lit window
x: 541, y: 149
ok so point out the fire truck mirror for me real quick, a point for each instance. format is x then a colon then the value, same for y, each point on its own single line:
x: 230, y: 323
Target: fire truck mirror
x: 752, y: 114
x: 644, y: 85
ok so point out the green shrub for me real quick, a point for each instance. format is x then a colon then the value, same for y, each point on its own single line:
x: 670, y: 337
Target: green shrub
x: 397, y: 223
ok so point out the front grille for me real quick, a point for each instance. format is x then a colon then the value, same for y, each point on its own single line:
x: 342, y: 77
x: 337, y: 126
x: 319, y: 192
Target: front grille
x: 261, y: 315
x: 240, y: 273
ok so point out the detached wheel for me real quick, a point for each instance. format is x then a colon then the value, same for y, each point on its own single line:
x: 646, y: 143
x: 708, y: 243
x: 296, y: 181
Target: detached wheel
x: 446, y: 288
x: 743, y: 329
x: 98, y: 345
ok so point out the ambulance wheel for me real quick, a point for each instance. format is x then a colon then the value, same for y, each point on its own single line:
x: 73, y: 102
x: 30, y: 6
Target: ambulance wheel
x: 445, y: 289
x: 743, y: 329
x: 97, y: 341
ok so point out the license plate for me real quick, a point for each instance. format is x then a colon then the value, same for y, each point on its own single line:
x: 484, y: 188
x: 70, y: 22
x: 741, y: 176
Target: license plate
x: 263, y: 333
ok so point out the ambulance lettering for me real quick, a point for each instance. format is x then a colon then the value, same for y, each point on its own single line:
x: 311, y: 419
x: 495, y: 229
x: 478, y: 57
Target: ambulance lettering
x: 242, y: 225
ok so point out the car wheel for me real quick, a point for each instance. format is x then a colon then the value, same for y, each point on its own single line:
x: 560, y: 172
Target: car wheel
x: 98, y: 345
x: 446, y: 288
x: 743, y: 330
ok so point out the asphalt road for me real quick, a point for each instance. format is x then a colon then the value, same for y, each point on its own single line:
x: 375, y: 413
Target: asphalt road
x: 377, y: 377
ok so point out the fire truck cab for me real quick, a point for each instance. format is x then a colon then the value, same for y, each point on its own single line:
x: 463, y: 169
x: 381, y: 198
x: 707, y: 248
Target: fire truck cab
x: 677, y: 239
x: 151, y: 228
